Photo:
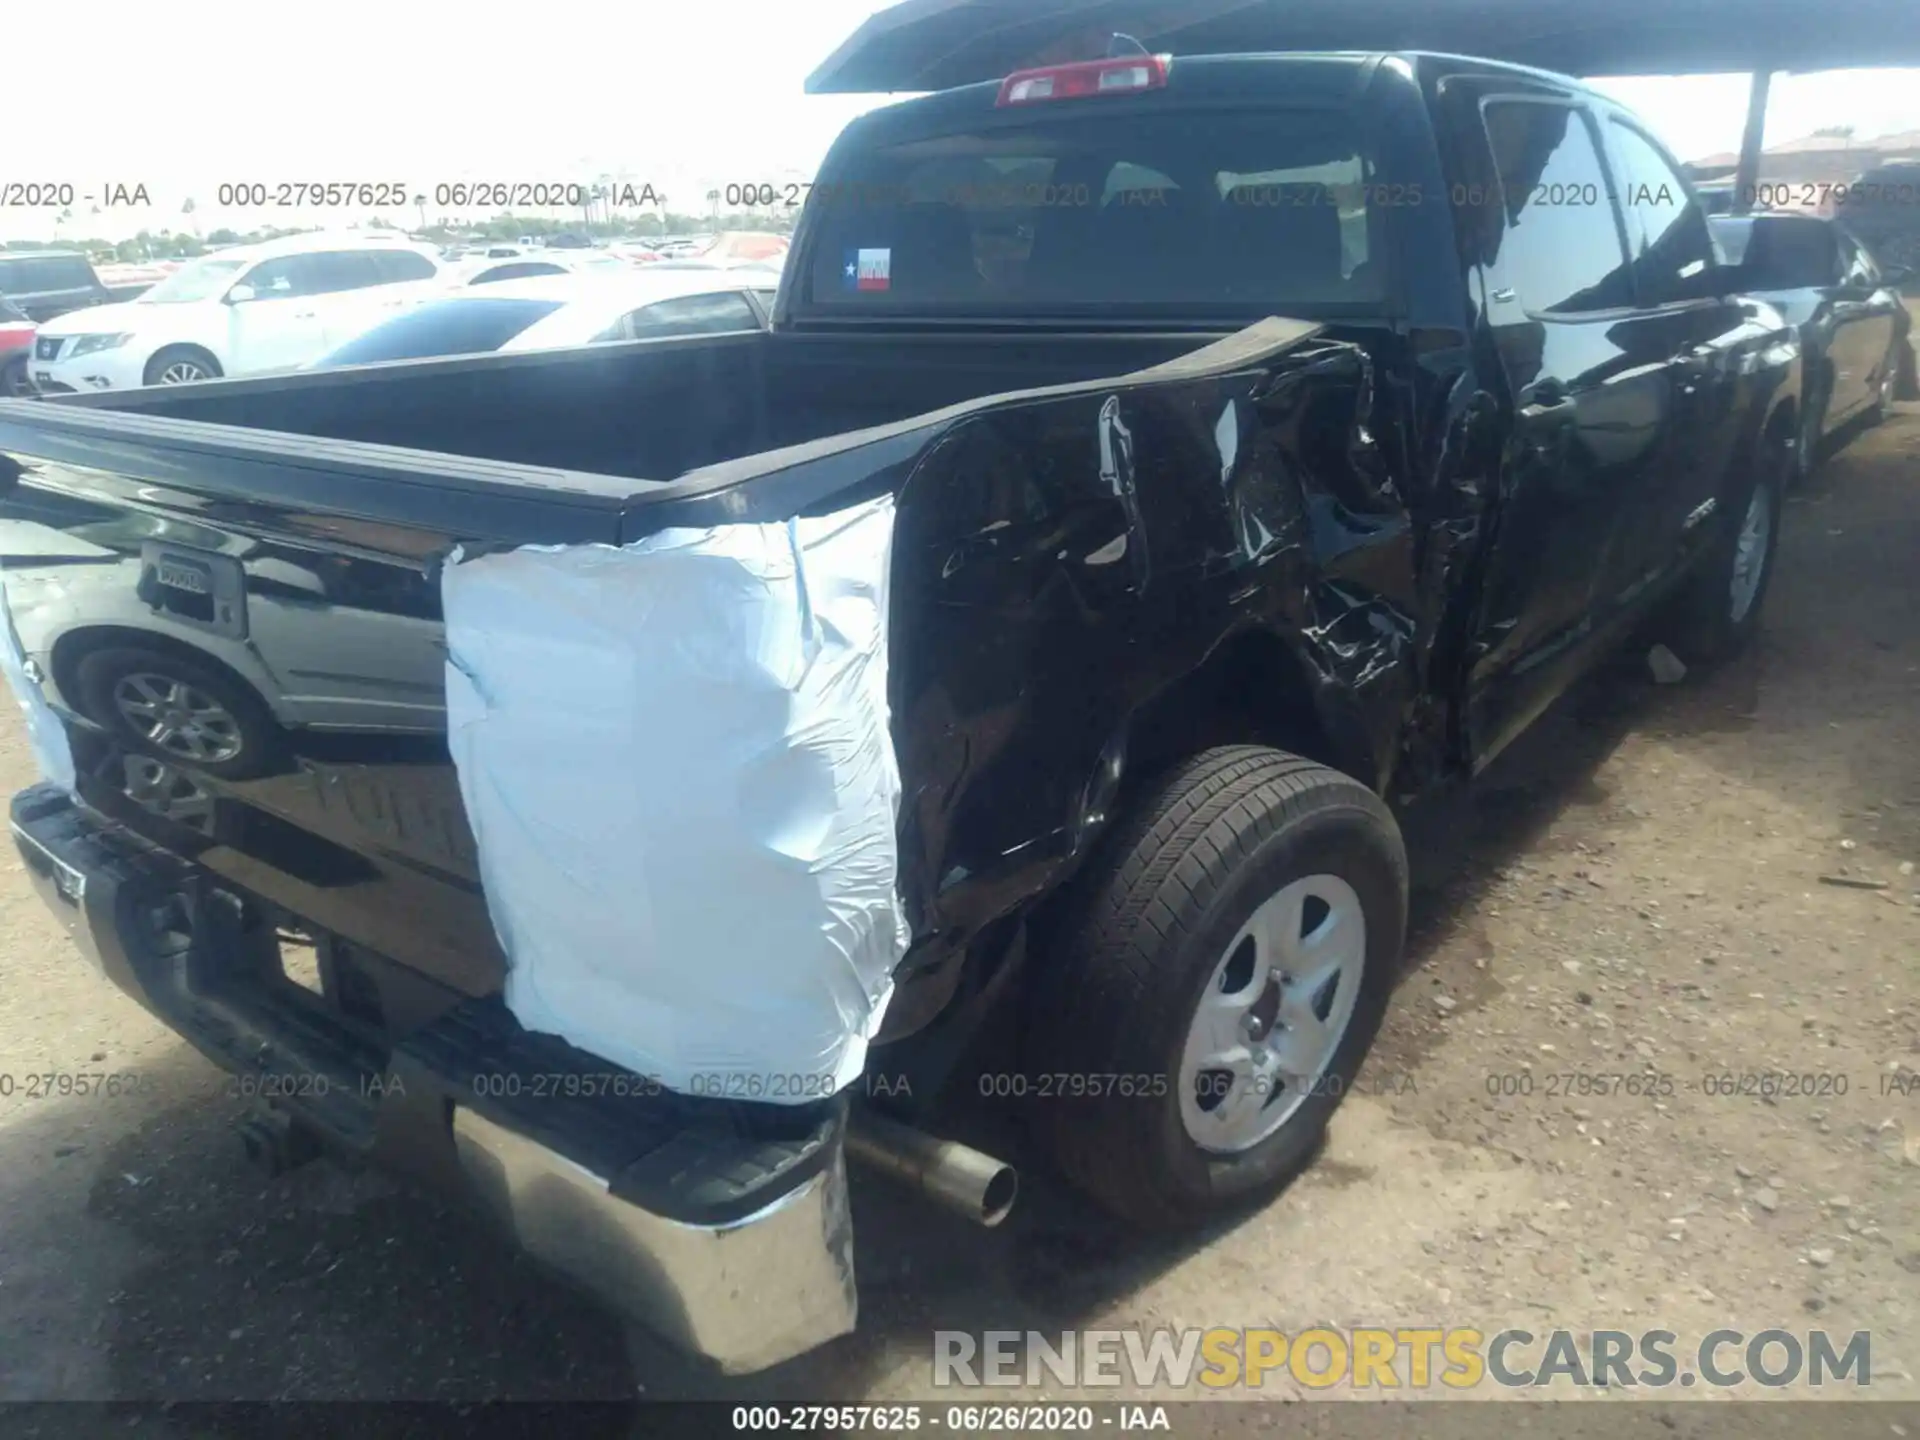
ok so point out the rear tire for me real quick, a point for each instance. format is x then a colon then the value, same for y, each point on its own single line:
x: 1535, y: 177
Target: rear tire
x: 1889, y: 384
x: 1158, y: 928
x: 180, y: 365
x: 14, y: 384
x: 1717, y: 613
x: 1906, y: 385
x: 1808, y: 446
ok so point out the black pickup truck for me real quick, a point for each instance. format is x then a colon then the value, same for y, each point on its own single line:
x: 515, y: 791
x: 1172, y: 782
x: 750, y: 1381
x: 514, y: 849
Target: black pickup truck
x: 1157, y: 475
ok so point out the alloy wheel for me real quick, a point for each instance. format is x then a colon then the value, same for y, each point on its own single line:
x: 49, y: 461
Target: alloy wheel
x: 178, y: 718
x: 1750, y: 553
x: 1273, y: 1014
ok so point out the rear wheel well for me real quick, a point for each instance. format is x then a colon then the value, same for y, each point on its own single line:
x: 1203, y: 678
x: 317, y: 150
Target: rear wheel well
x: 70, y: 649
x: 195, y: 352
x: 1252, y: 690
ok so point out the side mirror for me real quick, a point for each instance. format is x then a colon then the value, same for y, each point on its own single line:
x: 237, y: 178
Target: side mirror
x: 240, y: 294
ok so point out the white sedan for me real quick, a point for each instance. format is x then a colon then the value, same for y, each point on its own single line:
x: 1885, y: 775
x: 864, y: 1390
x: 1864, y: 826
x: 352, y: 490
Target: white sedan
x: 555, y: 311
x: 254, y: 308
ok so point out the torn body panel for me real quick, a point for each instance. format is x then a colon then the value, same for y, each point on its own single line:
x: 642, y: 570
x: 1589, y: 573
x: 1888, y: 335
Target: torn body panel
x: 1065, y: 567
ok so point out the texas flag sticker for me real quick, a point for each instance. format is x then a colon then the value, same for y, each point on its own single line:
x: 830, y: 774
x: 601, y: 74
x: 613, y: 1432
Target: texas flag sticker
x: 868, y: 269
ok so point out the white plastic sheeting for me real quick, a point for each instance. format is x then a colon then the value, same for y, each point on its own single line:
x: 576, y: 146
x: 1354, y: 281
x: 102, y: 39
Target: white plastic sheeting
x: 45, y: 733
x: 676, y: 761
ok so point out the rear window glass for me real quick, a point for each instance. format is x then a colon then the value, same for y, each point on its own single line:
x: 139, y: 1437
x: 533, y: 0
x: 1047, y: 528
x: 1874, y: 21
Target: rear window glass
x: 517, y: 270
x: 1731, y: 235
x: 452, y: 327
x: 1222, y: 210
x: 1780, y: 252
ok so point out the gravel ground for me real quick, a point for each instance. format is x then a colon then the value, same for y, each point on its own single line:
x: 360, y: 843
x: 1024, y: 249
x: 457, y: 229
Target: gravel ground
x: 1642, y: 886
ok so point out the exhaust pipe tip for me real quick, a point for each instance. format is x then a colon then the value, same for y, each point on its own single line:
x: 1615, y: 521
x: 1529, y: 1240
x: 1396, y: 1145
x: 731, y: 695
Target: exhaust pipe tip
x: 966, y: 1181
x: 996, y: 1201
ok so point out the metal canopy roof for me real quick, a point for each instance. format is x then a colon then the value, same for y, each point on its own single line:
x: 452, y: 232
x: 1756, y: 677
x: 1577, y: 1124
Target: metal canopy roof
x: 937, y: 44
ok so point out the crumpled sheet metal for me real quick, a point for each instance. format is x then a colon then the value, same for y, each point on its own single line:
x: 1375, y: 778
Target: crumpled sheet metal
x: 676, y: 761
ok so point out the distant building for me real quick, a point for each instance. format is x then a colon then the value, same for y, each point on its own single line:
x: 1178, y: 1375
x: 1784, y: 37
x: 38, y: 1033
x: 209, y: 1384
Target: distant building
x: 1811, y: 161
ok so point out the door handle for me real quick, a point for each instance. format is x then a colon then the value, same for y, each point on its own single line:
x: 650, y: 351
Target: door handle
x: 305, y: 314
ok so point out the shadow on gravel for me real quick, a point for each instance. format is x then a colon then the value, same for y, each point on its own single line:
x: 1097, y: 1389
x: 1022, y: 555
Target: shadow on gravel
x: 162, y: 1267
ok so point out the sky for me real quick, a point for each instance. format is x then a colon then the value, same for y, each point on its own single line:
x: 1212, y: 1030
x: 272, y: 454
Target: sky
x: 686, y: 96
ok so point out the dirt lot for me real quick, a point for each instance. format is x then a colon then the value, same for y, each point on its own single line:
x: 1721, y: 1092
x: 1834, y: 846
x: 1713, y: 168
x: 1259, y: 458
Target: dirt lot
x: 1637, y: 889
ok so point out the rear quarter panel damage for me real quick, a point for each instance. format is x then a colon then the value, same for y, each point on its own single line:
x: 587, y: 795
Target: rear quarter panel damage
x: 1062, y: 564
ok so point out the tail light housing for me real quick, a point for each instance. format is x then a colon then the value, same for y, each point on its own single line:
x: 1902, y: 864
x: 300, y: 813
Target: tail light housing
x: 1124, y: 75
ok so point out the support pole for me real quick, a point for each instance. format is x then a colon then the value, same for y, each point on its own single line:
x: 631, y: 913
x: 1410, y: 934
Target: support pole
x: 1747, y: 175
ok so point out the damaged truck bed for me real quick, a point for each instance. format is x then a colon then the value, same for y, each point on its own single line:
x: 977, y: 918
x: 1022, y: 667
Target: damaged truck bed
x: 564, y: 776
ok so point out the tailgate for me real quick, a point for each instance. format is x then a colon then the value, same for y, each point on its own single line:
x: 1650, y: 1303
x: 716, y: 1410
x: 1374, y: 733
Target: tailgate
x: 243, y: 632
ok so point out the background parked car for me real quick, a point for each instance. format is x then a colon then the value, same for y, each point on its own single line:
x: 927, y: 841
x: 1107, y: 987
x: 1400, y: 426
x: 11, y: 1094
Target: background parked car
x: 769, y: 270
x: 534, y: 263
x: 46, y: 283
x: 554, y: 311
x: 1853, y: 327
x: 1716, y: 196
x: 271, y: 306
x: 16, y: 344
x: 1882, y: 209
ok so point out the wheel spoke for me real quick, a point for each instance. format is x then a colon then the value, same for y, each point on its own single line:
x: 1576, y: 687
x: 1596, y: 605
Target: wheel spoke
x: 1329, y: 950
x: 1278, y: 929
x: 1305, y: 1043
x: 191, y: 744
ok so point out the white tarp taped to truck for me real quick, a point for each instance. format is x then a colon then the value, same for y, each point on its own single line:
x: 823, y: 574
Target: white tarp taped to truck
x: 676, y: 761
x: 45, y: 734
